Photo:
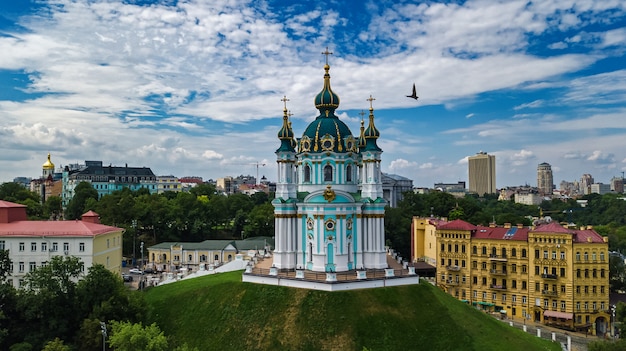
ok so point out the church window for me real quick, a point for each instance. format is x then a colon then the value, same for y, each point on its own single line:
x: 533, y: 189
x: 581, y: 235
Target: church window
x: 307, y: 173
x: 349, y: 173
x: 328, y: 173
x: 217, y: 258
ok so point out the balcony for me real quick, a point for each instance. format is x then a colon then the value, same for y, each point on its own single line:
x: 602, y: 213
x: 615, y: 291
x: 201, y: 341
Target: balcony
x: 453, y: 268
x: 549, y: 292
x: 452, y: 282
x: 497, y: 272
x: 501, y: 258
x: 497, y: 287
x: 549, y: 276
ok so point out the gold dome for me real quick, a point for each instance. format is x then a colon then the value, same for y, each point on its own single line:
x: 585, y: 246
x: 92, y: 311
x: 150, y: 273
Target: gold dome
x: 48, y: 165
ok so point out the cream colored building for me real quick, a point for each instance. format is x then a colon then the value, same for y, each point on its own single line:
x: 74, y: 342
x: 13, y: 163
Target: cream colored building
x: 172, y: 256
x: 482, y: 173
x: 548, y: 274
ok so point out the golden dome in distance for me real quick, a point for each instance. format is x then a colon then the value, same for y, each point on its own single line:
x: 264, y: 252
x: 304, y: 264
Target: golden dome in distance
x: 48, y: 165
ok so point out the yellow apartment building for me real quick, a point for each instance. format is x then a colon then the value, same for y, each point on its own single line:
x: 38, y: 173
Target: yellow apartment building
x: 548, y: 274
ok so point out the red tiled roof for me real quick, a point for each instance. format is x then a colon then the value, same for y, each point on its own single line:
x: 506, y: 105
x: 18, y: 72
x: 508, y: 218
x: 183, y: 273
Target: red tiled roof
x: 457, y: 224
x: 578, y: 235
x: 55, y: 228
x: 582, y: 236
x: 552, y: 227
x: 501, y: 233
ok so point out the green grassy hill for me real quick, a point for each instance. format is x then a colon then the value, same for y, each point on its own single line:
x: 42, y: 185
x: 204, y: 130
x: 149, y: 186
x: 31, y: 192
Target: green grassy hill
x: 219, y: 312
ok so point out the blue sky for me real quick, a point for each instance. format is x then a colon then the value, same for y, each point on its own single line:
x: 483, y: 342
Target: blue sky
x: 194, y: 87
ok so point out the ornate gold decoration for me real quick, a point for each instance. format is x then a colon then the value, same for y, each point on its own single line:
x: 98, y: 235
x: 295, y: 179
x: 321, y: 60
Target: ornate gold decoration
x: 330, y: 224
x: 309, y: 223
x: 349, y: 224
x: 329, y: 194
x: 305, y: 144
x: 327, y: 142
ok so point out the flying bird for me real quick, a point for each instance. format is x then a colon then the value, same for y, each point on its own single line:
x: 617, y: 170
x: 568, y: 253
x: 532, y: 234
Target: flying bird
x: 414, y: 95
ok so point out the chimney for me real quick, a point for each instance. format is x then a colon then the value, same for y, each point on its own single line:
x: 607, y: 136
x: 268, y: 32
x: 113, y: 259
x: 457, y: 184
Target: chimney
x: 91, y: 217
x: 507, y: 225
x: 520, y: 226
x: 492, y: 225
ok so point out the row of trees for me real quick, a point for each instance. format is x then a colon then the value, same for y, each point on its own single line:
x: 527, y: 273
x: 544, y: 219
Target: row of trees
x: 54, y: 311
x: 204, y: 214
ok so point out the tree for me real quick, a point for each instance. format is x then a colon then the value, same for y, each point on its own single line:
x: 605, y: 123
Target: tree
x: 5, y: 265
x: 49, y: 293
x: 101, y: 294
x: 617, y: 273
x: 53, y: 208
x: 7, y: 299
x: 260, y: 221
x: 127, y: 336
x: 56, y: 345
x: 76, y: 206
x: 14, y: 192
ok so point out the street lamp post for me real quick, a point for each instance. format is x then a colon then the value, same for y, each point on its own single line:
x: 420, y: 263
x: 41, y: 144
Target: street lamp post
x: 142, y: 267
x: 103, y: 326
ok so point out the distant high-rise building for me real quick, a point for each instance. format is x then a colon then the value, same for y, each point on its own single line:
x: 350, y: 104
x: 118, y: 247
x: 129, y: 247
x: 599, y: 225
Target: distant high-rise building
x: 482, y: 173
x: 585, y: 183
x: 545, y: 181
x: 617, y: 184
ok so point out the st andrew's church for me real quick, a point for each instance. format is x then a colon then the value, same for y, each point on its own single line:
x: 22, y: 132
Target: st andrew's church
x: 329, y: 208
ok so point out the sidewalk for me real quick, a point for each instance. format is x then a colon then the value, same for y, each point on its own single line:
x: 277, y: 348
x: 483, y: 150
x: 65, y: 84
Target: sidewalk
x: 579, y: 340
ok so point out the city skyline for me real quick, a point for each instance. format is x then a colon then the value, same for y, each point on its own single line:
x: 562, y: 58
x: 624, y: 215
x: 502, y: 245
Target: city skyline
x: 188, y: 88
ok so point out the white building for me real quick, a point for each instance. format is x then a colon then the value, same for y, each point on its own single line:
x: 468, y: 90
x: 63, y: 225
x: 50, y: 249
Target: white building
x: 32, y: 244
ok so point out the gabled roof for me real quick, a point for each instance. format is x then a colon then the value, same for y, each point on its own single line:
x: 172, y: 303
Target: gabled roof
x: 552, y: 227
x: 7, y: 204
x: 55, y: 228
x: 212, y: 245
x: 457, y: 224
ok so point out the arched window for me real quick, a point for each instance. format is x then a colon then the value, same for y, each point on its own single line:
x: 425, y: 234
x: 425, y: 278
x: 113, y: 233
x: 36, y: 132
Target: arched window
x: 328, y: 173
x: 523, y: 252
x: 307, y: 174
x: 513, y: 252
x: 217, y: 257
x: 349, y: 173
x: 484, y: 250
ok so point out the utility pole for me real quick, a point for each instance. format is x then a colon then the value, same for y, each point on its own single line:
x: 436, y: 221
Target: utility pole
x: 141, y: 283
x: 103, y: 327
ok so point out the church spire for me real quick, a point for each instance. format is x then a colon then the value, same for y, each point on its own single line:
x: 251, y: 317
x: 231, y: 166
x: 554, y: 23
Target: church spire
x: 326, y: 101
x: 285, y: 134
x: 371, y: 133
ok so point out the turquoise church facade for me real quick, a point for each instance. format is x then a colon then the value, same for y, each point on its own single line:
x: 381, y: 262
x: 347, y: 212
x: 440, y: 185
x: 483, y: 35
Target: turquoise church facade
x: 329, y: 208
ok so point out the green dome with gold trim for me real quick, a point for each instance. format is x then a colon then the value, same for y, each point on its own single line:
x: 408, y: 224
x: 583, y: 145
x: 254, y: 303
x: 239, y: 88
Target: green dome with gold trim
x: 327, y: 132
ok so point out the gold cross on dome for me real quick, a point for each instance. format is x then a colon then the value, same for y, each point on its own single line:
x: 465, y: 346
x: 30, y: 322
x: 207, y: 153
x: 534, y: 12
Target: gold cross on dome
x: 327, y: 53
x: 284, y: 99
x: 362, y: 113
x: 370, y: 100
x: 289, y: 113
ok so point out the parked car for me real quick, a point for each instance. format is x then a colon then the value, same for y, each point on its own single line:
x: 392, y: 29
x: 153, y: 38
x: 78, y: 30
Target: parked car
x: 134, y: 271
x: 148, y: 270
x: 127, y: 278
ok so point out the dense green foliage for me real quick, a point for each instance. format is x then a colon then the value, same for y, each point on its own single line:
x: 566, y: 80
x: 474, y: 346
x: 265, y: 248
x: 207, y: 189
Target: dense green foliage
x: 54, y: 311
x: 219, y: 312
